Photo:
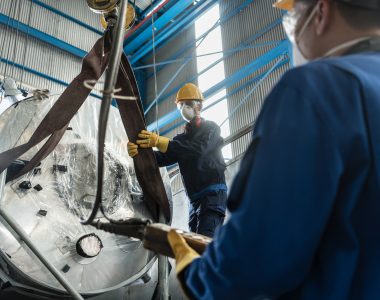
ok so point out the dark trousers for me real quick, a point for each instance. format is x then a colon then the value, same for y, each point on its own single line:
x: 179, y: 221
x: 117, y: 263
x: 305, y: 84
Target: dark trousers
x: 207, y: 213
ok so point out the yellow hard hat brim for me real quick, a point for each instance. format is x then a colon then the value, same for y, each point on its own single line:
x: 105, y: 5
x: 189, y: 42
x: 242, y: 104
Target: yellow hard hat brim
x: 284, y: 4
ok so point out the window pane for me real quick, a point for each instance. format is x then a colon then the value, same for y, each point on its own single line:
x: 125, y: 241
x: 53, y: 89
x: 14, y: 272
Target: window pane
x: 212, y: 43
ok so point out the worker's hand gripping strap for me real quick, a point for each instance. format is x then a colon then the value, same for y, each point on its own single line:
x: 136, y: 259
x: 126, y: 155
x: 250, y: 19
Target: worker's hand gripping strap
x: 147, y: 172
x: 56, y: 121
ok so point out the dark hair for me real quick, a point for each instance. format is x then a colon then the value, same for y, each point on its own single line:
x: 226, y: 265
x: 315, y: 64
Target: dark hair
x: 356, y: 16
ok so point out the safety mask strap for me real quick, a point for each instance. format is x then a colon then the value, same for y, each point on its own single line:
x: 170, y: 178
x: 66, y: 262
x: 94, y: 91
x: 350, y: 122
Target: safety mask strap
x: 307, y: 22
x: 345, y: 46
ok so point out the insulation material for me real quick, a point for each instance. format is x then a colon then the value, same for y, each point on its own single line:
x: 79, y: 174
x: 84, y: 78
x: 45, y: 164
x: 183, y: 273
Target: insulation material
x: 48, y: 201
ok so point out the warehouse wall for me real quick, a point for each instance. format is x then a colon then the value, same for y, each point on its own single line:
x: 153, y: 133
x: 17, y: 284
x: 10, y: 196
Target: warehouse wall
x: 38, y: 55
x: 240, y: 29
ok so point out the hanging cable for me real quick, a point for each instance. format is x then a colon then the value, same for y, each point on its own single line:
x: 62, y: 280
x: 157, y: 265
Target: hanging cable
x: 154, y: 66
x: 155, y: 101
x: 26, y: 44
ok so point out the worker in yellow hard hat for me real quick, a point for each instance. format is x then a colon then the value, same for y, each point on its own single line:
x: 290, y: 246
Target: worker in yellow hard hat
x: 305, y: 204
x: 198, y: 153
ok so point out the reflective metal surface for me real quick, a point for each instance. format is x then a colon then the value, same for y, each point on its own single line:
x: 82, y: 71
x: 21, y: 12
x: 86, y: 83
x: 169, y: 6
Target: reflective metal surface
x: 50, y: 216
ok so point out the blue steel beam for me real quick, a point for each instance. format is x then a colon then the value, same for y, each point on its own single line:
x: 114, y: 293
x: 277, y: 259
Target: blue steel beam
x: 244, y: 44
x: 160, y: 23
x: 229, y: 51
x: 66, y: 16
x: 245, y: 71
x: 182, y: 25
x: 222, y: 20
x: 5, y: 20
x: 149, y: 9
x: 139, y: 28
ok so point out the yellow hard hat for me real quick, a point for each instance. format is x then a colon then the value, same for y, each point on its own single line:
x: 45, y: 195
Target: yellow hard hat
x: 189, y: 92
x: 284, y: 4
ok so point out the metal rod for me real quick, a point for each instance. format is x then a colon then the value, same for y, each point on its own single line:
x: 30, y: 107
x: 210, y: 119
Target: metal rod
x: 163, y: 271
x: 20, y: 234
x: 109, y: 85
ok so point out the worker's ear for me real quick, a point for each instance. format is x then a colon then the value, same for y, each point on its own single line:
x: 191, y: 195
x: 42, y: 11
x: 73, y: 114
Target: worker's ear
x: 324, y: 15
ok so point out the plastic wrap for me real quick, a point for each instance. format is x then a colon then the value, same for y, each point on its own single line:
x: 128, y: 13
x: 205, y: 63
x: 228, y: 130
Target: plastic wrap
x: 48, y: 201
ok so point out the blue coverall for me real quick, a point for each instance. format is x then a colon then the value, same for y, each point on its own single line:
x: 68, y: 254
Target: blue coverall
x: 305, y: 220
x: 198, y: 154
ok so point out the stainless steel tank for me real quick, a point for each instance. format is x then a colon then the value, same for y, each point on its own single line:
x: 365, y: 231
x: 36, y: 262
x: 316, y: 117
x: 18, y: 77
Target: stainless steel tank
x: 48, y: 202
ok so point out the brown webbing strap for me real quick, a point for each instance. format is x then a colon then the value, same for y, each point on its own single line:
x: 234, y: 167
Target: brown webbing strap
x: 131, y: 112
x: 59, y: 116
x: 56, y: 121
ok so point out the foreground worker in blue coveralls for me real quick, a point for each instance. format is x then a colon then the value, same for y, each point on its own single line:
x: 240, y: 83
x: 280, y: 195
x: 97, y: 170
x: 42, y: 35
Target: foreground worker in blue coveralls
x: 305, y: 221
x: 198, y: 154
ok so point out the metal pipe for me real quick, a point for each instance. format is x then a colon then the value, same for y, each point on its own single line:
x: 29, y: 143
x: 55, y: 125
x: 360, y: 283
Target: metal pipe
x: 163, y: 271
x: 109, y: 85
x: 20, y: 234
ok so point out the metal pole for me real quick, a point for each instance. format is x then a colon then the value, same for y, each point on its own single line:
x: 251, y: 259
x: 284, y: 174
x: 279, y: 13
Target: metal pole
x: 20, y: 234
x: 163, y: 272
x: 109, y: 85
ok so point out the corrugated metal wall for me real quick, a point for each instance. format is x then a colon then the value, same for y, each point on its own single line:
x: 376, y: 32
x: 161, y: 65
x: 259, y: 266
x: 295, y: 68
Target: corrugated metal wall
x: 255, y: 18
x: 40, y: 56
x: 163, y: 76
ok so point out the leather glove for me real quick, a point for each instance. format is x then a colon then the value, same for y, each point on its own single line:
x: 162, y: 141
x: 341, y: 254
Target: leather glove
x: 183, y: 253
x: 132, y: 149
x: 151, y: 139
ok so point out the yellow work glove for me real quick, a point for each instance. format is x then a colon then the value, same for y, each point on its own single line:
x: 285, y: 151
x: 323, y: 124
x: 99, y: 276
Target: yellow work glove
x: 183, y: 253
x: 151, y: 139
x: 132, y: 149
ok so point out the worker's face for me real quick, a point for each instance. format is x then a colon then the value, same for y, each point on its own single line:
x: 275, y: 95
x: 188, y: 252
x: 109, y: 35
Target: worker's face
x: 304, y: 27
x: 187, y: 109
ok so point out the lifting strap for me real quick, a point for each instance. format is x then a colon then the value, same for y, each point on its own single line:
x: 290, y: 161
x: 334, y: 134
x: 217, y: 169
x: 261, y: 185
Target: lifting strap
x: 57, y: 120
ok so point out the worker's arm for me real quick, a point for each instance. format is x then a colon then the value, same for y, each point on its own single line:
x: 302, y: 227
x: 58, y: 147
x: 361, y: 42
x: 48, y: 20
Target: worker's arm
x: 202, y: 143
x: 285, y: 189
x: 165, y: 159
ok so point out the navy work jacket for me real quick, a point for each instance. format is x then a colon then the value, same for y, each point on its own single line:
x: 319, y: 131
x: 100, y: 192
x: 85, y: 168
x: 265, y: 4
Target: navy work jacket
x: 305, y: 220
x: 198, y: 154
